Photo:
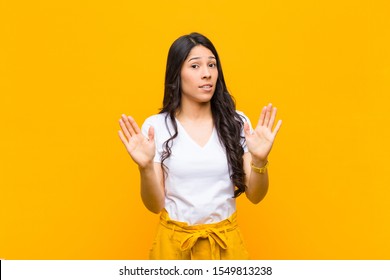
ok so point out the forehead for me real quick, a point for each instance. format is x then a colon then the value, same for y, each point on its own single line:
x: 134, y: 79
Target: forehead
x: 200, y: 51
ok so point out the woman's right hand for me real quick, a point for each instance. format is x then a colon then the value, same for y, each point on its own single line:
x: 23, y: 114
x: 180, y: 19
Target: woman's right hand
x: 140, y: 148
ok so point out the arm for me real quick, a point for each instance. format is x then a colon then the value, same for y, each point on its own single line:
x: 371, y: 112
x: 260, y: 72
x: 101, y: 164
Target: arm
x: 259, y: 145
x: 152, y: 187
x: 257, y: 184
x: 142, y: 151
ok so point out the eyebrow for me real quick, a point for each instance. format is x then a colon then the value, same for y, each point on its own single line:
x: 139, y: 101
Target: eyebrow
x: 198, y: 57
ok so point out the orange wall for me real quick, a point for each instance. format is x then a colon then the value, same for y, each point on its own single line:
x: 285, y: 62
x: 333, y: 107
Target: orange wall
x: 69, y: 69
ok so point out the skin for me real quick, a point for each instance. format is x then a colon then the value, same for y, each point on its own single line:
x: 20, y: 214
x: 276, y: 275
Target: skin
x: 199, y: 76
x: 259, y: 144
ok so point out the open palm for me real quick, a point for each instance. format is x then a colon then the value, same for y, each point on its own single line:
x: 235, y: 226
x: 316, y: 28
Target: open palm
x: 140, y: 148
x: 261, y: 140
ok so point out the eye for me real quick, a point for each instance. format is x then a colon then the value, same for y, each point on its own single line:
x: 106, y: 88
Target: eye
x: 195, y: 66
x: 212, y: 65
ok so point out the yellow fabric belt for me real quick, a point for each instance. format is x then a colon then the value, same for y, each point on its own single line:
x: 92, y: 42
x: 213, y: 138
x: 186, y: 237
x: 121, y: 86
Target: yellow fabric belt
x: 215, y: 233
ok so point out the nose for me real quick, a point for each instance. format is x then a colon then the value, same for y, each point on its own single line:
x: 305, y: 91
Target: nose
x: 206, y: 73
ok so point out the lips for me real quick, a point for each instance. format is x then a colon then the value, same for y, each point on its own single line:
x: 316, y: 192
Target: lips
x: 206, y: 86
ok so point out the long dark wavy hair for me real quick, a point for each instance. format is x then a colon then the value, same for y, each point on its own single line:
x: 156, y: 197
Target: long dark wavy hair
x: 227, y: 121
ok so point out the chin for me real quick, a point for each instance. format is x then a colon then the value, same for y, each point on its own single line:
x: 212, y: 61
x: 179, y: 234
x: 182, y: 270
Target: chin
x: 206, y: 99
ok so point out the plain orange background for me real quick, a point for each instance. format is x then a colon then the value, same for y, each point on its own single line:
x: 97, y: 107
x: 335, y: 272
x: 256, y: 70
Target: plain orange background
x: 69, y: 69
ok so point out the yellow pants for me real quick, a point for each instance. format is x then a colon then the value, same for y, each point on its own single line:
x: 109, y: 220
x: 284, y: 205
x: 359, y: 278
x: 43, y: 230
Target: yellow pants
x: 179, y: 241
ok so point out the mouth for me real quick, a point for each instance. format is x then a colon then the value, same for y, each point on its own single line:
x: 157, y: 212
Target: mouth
x: 206, y: 86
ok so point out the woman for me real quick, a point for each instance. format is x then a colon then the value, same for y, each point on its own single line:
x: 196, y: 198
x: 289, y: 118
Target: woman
x: 197, y: 156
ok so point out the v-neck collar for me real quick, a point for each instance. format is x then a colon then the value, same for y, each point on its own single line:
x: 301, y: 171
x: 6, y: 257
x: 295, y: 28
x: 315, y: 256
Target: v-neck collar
x: 192, y: 140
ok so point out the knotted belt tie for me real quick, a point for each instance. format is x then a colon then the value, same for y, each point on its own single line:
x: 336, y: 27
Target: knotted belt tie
x: 215, y: 233
x: 213, y: 236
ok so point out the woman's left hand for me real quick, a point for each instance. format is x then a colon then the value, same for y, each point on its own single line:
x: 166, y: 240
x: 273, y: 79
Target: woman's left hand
x: 260, y: 142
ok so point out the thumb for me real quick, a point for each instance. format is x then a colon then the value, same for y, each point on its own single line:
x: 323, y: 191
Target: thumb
x: 247, y: 129
x: 151, y: 133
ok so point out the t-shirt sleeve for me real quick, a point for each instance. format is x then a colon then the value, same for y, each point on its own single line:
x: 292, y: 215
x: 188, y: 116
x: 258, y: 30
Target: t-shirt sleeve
x: 151, y: 121
x: 245, y: 119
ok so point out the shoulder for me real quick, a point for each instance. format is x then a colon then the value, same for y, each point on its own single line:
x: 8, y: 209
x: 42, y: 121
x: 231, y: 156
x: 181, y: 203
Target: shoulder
x: 161, y: 124
x: 242, y: 116
x: 156, y: 118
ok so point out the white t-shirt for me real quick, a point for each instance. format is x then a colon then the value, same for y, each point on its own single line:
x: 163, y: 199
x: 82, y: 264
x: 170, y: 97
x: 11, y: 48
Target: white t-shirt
x: 198, y: 189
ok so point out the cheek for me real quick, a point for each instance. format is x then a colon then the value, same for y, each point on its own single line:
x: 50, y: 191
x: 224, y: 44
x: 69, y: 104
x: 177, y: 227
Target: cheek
x: 185, y: 83
x: 215, y: 73
x: 187, y: 80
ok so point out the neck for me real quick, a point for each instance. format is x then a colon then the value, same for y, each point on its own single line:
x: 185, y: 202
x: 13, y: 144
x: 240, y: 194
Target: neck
x: 194, y: 111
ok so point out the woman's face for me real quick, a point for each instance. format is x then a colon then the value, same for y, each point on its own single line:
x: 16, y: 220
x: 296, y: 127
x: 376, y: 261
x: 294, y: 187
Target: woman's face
x: 199, y: 75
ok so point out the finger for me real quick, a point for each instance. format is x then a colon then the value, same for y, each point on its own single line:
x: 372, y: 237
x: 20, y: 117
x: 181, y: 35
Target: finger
x: 151, y: 133
x: 134, y: 125
x: 124, y: 129
x: 247, y: 129
x: 272, y: 119
x: 262, y: 115
x: 278, y: 125
x: 123, y: 137
x: 267, y: 114
x: 129, y: 127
